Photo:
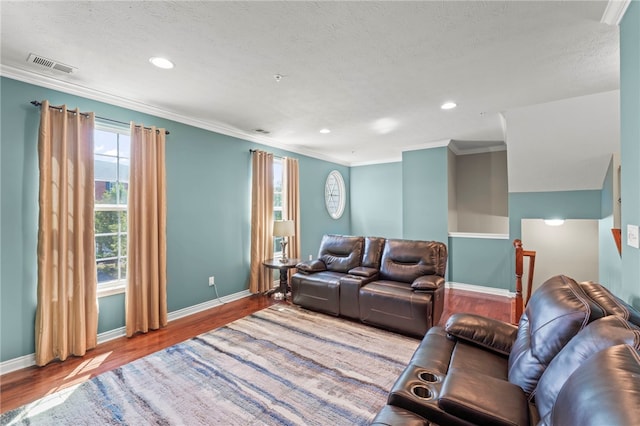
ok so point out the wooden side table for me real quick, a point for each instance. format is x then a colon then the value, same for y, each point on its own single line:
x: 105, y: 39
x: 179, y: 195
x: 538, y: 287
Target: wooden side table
x: 283, y: 267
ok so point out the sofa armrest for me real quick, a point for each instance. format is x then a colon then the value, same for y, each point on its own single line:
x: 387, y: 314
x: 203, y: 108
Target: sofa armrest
x: 427, y: 283
x: 482, y: 399
x: 311, y: 266
x: 489, y: 333
x: 363, y: 271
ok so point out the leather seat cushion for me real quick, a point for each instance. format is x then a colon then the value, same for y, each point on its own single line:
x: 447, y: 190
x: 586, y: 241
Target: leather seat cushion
x: 468, y: 357
x: 395, y: 306
x: 483, y: 400
x: 319, y: 291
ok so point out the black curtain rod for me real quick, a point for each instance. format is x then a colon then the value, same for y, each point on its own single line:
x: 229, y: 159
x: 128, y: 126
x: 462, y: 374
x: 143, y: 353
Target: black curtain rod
x: 251, y: 151
x: 36, y: 103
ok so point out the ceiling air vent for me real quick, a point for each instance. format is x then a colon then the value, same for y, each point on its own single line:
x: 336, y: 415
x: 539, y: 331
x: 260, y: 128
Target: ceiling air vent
x: 50, y: 64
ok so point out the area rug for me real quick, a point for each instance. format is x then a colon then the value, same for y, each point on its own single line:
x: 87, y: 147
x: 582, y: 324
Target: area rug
x: 280, y: 366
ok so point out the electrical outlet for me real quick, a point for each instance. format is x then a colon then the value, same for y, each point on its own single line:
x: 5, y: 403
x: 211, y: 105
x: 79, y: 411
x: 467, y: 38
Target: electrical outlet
x: 310, y: 257
x: 212, y: 281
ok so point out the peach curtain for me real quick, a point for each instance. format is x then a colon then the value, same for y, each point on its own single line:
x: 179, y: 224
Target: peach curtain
x: 67, y: 307
x: 291, y: 203
x: 146, y: 294
x: 261, y: 278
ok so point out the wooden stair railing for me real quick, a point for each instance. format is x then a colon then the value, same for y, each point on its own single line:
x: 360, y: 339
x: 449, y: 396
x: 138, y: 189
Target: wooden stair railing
x: 520, y: 255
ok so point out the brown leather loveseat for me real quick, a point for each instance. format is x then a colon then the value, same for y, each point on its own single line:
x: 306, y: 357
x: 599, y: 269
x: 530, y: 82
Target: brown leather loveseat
x: 573, y: 360
x: 390, y: 283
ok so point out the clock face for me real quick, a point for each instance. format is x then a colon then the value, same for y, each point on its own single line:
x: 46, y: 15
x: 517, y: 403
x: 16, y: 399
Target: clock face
x: 335, y: 194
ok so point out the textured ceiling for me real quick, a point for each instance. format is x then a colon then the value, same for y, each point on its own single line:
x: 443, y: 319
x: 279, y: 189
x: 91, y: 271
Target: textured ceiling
x: 375, y: 73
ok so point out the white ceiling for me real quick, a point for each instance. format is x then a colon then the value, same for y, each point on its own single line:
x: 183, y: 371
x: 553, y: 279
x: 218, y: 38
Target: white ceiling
x: 375, y: 73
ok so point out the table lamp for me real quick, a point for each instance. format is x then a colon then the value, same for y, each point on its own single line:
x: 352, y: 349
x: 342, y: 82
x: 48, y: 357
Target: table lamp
x: 284, y: 229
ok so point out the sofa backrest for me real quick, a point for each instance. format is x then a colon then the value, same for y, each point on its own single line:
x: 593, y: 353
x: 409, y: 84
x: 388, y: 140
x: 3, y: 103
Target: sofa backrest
x: 372, y: 255
x: 341, y: 253
x: 556, y: 312
x: 611, y: 303
x: 604, y: 390
x: 600, y: 334
x: 406, y: 260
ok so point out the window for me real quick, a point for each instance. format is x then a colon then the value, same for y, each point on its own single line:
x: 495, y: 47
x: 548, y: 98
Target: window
x: 111, y: 178
x: 277, y: 200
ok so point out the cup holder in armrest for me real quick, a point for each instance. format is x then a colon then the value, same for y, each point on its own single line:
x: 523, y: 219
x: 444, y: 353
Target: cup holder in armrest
x: 422, y: 392
x: 427, y: 376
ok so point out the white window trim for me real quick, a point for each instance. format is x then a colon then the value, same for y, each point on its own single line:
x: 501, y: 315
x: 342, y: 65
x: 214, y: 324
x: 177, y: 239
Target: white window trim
x: 110, y: 288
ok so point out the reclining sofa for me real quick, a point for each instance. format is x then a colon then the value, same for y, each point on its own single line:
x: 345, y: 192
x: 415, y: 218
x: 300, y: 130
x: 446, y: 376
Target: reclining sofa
x: 389, y: 283
x: 573, y: 359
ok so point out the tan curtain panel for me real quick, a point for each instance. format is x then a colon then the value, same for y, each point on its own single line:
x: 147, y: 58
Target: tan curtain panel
x: 146, y: 294
x: 67, y: 308
x: 291, y: 203
x: 261, y: 278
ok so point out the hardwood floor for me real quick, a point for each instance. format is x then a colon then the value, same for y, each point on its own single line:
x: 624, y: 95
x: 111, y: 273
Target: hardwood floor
x: 488, y: 305
x: 21, y: 387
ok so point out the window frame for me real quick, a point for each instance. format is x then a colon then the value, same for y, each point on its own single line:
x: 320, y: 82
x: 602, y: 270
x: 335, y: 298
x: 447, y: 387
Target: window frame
x: 118, y: 286
x: 278, y: 164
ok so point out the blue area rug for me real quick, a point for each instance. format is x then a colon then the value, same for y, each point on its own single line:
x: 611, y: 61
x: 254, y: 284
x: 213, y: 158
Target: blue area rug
x: 280, y: 366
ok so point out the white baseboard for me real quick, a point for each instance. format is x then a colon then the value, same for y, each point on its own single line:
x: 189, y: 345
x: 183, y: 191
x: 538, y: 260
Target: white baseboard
x: 181, y: 313
x: 17, y: 363
x: 29, y: 360
x: 479, y: 289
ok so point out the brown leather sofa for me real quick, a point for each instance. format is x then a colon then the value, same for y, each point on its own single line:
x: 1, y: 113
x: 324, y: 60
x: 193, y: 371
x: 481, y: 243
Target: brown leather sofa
x: 389, y: 283
x: 574, y: 359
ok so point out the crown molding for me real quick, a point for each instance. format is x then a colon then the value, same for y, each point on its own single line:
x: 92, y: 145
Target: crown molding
x: 428, y: 145
x: 50, y: 82
x: 481, y: 150
x: 614, y: 12
x: 374, y: 162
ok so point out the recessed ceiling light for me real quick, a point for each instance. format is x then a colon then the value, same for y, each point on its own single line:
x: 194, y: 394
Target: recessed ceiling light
x: 163, y: 63
x: 448, y: 105
x: 325, y: 131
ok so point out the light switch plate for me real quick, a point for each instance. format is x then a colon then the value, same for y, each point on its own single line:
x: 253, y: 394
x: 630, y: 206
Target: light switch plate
x: 632, y: 236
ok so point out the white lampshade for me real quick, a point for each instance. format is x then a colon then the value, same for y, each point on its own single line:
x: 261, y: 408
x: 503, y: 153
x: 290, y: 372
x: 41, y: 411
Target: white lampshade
x: 283, y: 228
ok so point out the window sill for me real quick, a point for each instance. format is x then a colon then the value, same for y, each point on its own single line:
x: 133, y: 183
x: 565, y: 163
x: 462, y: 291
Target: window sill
x: 109, y: 289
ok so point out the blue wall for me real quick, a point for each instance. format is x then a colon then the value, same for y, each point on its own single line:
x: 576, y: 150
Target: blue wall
x: 425, y: 194
x: 315, y: 221
x: 630, y: 147
x: 550, y: 205
x: 609, y: 260
x: 376, y: 199
x: 208, y: 211
x: 481, y: 261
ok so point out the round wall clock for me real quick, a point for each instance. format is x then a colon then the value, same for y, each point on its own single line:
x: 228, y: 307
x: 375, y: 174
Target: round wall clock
x: 335, y: 194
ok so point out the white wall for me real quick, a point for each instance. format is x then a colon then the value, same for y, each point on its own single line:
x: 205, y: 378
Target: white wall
x: 570, y: 249
x: 564, y: 145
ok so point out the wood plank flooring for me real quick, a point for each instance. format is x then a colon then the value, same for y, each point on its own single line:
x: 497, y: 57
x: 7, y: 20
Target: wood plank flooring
x: 21, y: 387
